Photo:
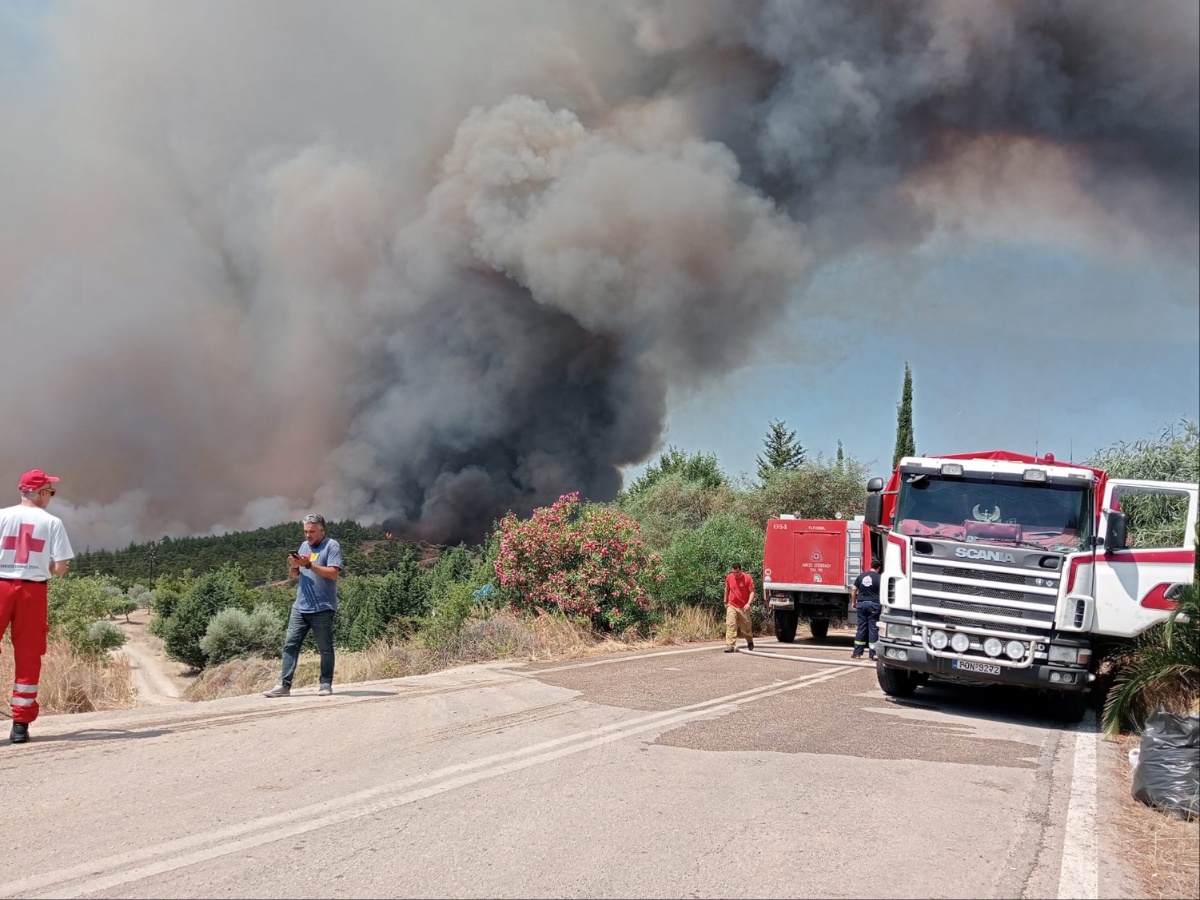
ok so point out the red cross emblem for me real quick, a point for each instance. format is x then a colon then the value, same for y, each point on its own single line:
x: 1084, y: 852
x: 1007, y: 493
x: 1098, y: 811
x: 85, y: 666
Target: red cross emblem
x: 23, y: 543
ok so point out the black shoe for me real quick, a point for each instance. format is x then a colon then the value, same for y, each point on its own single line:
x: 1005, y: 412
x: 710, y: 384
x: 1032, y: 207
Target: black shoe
x: 20, y: 733
x: 728, y: 649
x: 749, y: 645
x: 856, y: 655
x: 873, y: 656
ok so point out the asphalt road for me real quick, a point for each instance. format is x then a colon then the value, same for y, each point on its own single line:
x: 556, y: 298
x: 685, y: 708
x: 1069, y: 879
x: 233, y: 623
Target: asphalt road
x: 677, y: 773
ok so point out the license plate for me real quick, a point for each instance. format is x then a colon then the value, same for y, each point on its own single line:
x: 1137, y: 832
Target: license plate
x: 968, y: 665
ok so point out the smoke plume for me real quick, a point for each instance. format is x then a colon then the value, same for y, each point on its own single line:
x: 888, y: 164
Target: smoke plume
x: 425, y: 263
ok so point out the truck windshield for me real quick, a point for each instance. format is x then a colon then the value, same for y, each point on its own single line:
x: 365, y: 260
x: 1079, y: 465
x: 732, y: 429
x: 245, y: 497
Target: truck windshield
x: 1048, y: 516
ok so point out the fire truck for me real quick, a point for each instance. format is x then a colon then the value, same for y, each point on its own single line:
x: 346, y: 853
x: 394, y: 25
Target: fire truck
x: 1003, y: 568
x: 809, y: 566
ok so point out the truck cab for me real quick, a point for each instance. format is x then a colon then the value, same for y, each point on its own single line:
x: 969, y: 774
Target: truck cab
x: 1005, y: 568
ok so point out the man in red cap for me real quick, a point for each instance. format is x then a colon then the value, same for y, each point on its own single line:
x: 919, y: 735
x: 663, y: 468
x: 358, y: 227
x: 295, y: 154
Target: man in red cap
x: 33, y: 546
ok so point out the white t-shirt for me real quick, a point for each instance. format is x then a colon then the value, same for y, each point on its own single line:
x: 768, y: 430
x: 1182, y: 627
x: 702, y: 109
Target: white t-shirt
x: 30, y: 539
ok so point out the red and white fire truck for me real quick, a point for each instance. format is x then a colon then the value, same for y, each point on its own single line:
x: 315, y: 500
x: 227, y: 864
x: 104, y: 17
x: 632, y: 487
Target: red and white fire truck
x: 809, y: 566
x: 1006, y: 568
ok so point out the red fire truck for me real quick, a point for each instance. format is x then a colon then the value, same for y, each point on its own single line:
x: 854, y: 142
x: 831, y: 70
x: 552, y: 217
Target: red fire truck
x: 809, y: 566
x: 1002, y: 568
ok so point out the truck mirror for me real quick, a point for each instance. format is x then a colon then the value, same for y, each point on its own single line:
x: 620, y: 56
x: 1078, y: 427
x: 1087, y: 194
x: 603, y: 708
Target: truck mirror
x: 875, y: 485
x: 1117, y: 535
x: 874, y: 510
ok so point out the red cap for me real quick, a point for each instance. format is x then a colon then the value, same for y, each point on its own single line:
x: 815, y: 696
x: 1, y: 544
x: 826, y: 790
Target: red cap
x: 35, y: 479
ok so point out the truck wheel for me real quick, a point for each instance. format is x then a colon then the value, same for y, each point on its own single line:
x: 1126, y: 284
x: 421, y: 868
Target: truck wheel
x: 785, y: 625
x: 820, y: 628
x: 1069, y: 706
x: 896, y: 682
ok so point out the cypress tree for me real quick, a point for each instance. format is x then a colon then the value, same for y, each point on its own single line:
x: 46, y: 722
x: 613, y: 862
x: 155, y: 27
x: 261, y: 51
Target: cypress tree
x: 905, y: 444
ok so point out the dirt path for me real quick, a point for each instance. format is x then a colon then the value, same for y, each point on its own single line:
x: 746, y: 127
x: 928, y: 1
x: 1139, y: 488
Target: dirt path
x: 158, y: 679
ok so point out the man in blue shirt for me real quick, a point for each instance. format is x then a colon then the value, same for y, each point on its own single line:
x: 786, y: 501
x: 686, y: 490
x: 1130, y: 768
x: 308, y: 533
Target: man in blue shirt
x: 864, y: 598
x: 317, y: 564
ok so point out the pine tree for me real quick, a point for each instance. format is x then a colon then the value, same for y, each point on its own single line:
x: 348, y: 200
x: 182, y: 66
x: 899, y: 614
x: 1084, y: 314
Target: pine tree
x: 841, y: 457
x: 905, y: 444
x: 781, y: 451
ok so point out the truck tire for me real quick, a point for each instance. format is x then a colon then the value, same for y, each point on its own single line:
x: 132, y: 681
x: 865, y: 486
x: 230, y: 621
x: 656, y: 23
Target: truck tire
x: 1069, y: 707
x: 820, y: 628
x: 785, y: 625
x: 896, y: 682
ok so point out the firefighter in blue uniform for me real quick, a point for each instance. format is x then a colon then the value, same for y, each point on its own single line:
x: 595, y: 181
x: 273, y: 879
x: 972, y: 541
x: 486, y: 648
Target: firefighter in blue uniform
x: 864, y: 597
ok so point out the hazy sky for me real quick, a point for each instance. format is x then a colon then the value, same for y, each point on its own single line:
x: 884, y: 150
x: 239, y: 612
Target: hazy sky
x: 423, y: 263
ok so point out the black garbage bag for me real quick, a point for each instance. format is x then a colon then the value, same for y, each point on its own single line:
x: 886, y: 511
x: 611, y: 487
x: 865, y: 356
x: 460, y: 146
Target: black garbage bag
x: 1168, y: 770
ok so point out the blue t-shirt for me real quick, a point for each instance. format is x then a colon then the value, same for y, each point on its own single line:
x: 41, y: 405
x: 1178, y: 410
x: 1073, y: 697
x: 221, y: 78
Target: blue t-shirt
x: 868, y: 586
x: 316, y: 593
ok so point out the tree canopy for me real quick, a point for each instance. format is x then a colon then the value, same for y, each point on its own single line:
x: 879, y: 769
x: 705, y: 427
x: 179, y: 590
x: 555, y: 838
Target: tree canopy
x: 781, y: 450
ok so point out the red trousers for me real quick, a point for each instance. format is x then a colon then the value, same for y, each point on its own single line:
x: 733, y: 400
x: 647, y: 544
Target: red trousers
x: 23, y: 604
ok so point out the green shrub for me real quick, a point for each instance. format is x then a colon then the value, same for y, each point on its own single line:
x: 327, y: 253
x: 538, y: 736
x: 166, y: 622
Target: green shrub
x: 142, y: 596
x: 699, y: 468
x: 74, y: 604
x: 121, y: 605
x: 815, y: 490
x: 696, y: 564
x: 98, y: 638
x: 673, y: 505
x: 372, y: 606
x: 447, y: 618
x: 207, y: 596
x: 458, y: 564
x: 235, y: 634
x: 168, y: 591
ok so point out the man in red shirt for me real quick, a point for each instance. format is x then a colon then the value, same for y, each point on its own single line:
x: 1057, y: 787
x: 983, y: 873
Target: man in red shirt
x: 739, y: 594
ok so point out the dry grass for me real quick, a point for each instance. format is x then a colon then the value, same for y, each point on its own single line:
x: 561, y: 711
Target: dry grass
x: 72, y: 683
x: 485, y: 637
x: 692, y: 623
x: 1162, y: 848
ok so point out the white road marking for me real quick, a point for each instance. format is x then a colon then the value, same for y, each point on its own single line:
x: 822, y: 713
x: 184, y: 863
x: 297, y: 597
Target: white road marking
x: 1080, y: 854
x: 624, y: 657
x: 860, y: 663
x: 107, y: 873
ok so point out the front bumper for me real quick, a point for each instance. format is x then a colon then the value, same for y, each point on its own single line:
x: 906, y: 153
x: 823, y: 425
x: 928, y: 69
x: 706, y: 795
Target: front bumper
x: 1035, y: 676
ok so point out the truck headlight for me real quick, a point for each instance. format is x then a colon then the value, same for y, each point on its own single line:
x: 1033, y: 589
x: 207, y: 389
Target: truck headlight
x: 898, y: 632
x: 938, y: 640
x: 1014, y: 650
x: 960, y: 642
x: 993, y: 647
x: 1063, y: 654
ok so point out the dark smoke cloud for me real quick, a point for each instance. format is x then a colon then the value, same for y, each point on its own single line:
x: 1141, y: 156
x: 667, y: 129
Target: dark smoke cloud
x: 425, y: 263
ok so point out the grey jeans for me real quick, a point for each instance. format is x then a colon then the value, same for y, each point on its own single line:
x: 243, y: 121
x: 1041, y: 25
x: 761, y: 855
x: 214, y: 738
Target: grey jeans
x: 299, y: 623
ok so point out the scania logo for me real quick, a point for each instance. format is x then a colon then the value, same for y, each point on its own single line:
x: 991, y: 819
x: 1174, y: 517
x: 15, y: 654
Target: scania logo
x: 976, y: 553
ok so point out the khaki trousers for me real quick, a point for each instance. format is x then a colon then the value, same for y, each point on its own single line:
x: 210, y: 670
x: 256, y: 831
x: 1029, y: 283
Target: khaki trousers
x: 737, y: 624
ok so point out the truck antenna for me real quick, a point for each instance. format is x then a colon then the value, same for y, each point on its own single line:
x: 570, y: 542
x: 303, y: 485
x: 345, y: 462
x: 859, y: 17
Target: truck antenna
x: 1037, y: 426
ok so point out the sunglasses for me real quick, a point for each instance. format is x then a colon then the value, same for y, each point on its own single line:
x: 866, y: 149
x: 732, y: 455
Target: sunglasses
x: 51, y: 490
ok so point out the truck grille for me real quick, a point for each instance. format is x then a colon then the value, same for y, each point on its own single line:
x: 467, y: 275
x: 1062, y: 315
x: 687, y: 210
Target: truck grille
x: 976, y: 591
x: 990, y: 596
x: 972, y: 623
x: 1007, y: 577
